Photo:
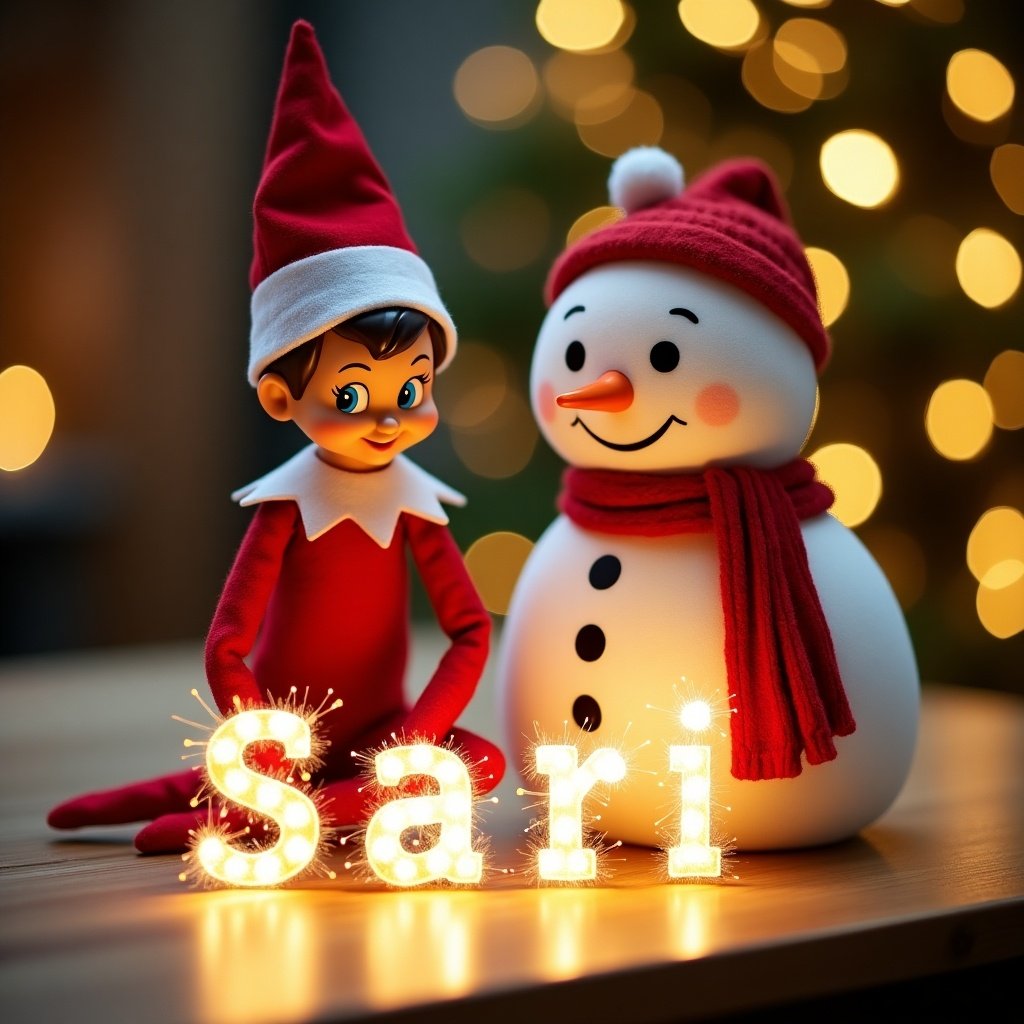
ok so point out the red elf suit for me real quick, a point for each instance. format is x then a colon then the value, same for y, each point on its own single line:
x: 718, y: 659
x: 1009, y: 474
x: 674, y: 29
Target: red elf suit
x: 317, y: 597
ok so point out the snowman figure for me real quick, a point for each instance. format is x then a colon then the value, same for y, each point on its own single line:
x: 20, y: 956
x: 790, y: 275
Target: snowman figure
x: 694, y: 556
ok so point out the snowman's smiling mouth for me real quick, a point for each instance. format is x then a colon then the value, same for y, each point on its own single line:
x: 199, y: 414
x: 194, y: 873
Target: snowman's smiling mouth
x: 634, y: 446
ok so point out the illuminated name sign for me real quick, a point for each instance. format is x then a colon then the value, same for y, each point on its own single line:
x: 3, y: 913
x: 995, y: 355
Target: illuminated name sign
x: 445, y: 815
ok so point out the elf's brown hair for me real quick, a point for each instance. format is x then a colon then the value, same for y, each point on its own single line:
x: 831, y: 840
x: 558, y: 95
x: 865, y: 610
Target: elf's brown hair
x: 383, y: 332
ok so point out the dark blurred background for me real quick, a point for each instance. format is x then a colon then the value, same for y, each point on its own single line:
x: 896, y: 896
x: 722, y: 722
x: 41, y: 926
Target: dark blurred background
x: 132, y: 143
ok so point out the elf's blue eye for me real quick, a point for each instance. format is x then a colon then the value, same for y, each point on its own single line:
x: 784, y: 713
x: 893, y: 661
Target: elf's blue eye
x: 411, y: 394
x: 351, y: 398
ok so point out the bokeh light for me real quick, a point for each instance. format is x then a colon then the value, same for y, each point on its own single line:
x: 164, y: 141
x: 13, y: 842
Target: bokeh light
x: 494, y: 563
x: 995, y: 556
x: 603, y: 104
x: 27, y: 416
x: 474, y: 386
x: 810, y: 45
x: 808, y: 4
x: 762, y: 81
x: 1001, y: 609
x: 860, y: 167
x: 1004, y: 382
x: 942, y: 12
x: 988, y: 268
x: 581, y: 26
x: 833, y: 283
x: 591, y: 221
x: 979, y: 85
x: 727, y: 24
x: 854, y: 477
x: 588, y: 83
x: 809, y: 57
x: 1003, y: 574
x: 501, y: 445
x: 497, y: 87
x: 640, y: 123
x: 1007, y: 171
x: 997, y: 537
x: 507, y: 230
x: 959, y: 419
x: 808, y: 84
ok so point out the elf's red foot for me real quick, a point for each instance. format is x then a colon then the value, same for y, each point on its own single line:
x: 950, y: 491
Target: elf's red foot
x: 138, y: 801
x: 170, y: 833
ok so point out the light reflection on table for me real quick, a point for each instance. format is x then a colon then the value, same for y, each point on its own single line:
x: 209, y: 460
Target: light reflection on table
x: 87, y: 924
x: 257, y: 955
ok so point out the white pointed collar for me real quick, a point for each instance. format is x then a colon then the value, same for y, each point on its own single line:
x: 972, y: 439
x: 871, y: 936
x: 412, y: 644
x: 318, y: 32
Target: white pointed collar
x: 374, y: 500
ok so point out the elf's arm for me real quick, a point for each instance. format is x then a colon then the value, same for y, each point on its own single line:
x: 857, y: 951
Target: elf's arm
x: 464, y: 619
x: 243, y: 603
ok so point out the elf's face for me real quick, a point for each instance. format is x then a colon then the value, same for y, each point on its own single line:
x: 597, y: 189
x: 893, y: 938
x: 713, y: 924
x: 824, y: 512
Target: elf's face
x: 361, y: 412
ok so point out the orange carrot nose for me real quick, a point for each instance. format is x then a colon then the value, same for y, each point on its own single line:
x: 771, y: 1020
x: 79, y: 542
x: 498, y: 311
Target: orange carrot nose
x: 611, y: 392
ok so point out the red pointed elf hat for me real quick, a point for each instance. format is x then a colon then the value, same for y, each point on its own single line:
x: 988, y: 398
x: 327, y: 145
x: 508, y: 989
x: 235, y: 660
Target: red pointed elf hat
x: 329, y: 241
x: 731, y: 223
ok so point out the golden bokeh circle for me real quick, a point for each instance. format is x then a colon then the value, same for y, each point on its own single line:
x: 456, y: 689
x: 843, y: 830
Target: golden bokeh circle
x: 859, y: 167
x: 959, y: 419
x: 494, y: 563
x: 855, y: 480
x: 27, y: 417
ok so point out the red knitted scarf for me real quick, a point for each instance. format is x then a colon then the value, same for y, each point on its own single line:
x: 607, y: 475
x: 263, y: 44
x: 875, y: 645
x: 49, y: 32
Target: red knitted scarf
x: 783, y: 678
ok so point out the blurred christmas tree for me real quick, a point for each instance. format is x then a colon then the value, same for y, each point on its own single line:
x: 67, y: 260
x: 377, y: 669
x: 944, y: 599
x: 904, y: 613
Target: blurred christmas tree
x: 892, y: 127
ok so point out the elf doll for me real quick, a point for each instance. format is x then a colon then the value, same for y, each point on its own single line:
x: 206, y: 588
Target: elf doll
x: 348, y: 333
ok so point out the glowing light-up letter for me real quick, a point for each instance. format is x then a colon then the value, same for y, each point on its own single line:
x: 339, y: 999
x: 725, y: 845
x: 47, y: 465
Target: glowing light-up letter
x: 694, y: 857
x: 293, y: 812
x: 566, y: 859
x: 452, y: 857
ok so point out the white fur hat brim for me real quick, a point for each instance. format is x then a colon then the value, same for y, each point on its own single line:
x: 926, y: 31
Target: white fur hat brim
x: 304, y: 299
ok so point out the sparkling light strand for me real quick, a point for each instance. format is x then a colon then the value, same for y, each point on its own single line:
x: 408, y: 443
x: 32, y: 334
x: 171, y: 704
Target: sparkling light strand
x: 693, y: 856
x: 293, y: 812
x: 230, y: 736
x: 566, y: 858
x: 695, y: 847
x: 447, y: 817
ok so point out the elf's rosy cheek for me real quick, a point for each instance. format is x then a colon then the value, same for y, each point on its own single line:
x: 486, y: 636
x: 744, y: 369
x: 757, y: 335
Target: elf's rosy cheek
x: 718, y: 405
x: 546, y: 402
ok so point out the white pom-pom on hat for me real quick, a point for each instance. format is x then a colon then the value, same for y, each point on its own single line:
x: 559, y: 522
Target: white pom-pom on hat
x: 644, y: 176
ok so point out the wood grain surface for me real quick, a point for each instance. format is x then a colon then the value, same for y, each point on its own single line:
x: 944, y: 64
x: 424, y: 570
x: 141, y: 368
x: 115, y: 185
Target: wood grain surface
x: 91, y: 931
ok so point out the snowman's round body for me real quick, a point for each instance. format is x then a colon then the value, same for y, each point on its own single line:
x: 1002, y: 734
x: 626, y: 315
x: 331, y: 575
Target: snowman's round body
x: 608, y: 635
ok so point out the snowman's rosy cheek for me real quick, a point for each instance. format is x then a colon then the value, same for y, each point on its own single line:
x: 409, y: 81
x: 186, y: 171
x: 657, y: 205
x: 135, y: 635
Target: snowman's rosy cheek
x: 717, y: 405
x: 546, y: 402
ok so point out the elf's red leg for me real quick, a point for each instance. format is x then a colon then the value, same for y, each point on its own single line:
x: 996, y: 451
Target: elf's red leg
x: 171, y: 833
x: 350, y: 801
x: 138, y: 801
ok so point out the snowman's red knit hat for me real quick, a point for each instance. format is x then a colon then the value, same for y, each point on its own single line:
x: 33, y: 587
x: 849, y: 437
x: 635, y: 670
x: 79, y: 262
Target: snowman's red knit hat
x: 731, y: 222
x: 329, y: 241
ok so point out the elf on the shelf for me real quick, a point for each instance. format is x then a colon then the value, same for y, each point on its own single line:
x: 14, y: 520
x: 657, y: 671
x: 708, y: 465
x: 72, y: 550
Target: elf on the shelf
x: 348, y: 332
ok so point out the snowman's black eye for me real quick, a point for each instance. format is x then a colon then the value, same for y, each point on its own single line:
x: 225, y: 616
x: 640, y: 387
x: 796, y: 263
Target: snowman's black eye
x: 575, y: 355
x: 586, y: 713
x: 665, y: 356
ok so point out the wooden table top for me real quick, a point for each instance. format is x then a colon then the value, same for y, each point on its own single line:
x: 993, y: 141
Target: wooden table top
x: 92, y: 931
